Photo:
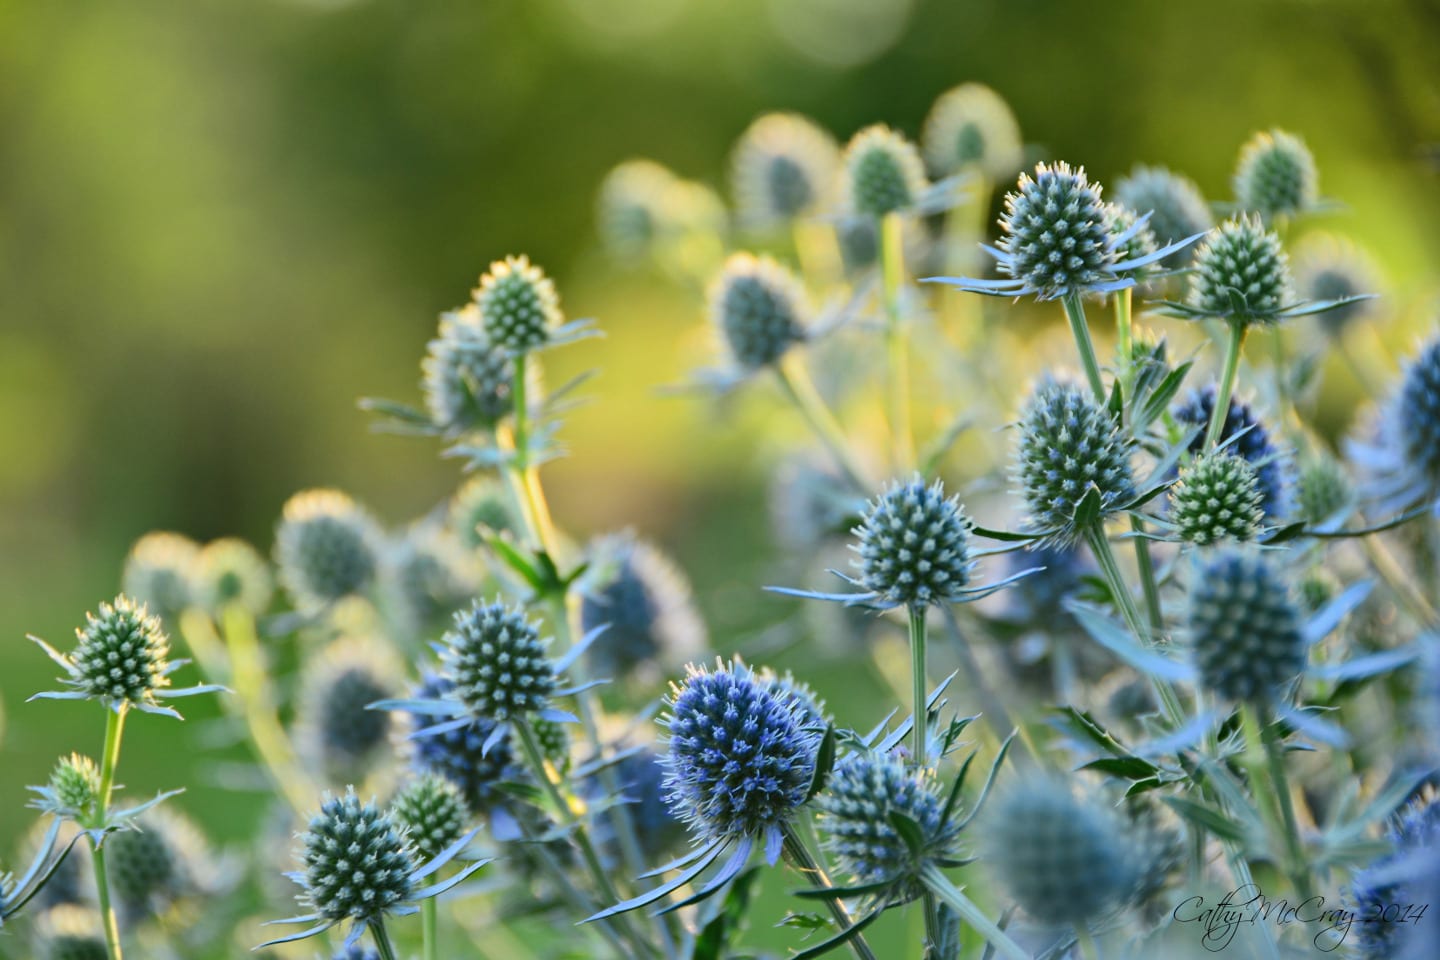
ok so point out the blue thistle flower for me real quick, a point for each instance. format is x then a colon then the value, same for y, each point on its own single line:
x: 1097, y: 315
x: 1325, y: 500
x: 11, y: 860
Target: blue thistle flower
x: 1329, y: 267
x: 327, y: 548
x: 1408, y: 874
x: 1322, y: 490
x: 158, y: 572
x: 1401, y: 458
x: 631, y: 211
x: 1276, y: 176
x: 760, y: 310
x: 459, y: 754
x: 972, y: 126
x: 1243, y: 434
x: 1245, y: 629
x: 496, y: 658
x: 1217, y: 497
x: 883, y: 172
x: 432, y: 575
x: 782, y: 169
x: 466, y: 377
x: 433, y: 814
x: 519, y: 308
x: 73, y: 789
x: 856, y: 807
x: 1069, y: 445
x: 742, y: 754
x: 1175, y: 204
x: 1241, y: 273
x: 480, y: 505
x: 229, y: 570
x: 913, y: 546
x: 343, y: 740
x: 811, y: 502
x: 1064, y: 859
x: 165, y: 860
x: 643, y: 601
x: 641, y: 778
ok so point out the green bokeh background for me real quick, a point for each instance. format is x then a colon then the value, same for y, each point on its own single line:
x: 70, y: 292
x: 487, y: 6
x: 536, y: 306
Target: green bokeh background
x: 222, y: 222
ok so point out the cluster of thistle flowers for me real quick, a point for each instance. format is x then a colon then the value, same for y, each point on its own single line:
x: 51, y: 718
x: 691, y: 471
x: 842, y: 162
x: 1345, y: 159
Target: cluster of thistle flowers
x: 1199, y: 590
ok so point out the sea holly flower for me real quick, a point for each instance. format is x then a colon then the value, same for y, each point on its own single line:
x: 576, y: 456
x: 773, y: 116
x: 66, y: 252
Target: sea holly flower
x: 1243, y: 434
x: 460, y: 754
x: 340, y: 740
x: 433, y: 814
x: 1407, y: 875
x: 782, y: 169
x: 1276, y: 176
x: 1330, y: 267
x: 327, y: 548
x: 1137, y: 245
x: 68, y: 932
x: 1217, y: 497
x: 164, y: 860
x: 971, y: 126
x: 760, y: 310
x: 359, y: 868
x: 467, y: 377
x: 1400, y: 459
x: 159, y: 572
x: 1057, y: 241
x: 630, y: 208
x: 883, y: 173
x: 520, y: 309
x: 231, y: 571
x: 1175, y: 204
x: 122, y: 660
x: 431, y: 575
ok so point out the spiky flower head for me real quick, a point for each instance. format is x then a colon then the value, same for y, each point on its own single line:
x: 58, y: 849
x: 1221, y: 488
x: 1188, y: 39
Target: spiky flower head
x: 742, y: 752
x: 1276, y: 175
x: 229, y: 570
x: 460, y: 755
x: 1176, y: 206
x: 1399, y: 459
x: 356, y: 863
x: 972, y: 126
x: 811, y: 502
x: 1329, y: 267
x: 1057, y: 233
x: 158, y: 572
x: 466, y: 377
x: 518, y: 305
x: 1322, y: 490
x: 1068, y: 445
x: 883, y: 172
x: 631, y: 207
x: 645, y: 604
x: 1408, y: 874
x: 1243, y: 434
x: 782, y: 168
x: 1217, y: 498
x: 158, y: 864
x: 326, y: 548
x: 640, y: 776
x: 1132, y: 241
x: 1419, y: 409
x: 1064, y: 859
x: 433, y: 815
x: 69, y: 932
x: 74, y: 787
x: 1245, y: 628
x: 432, y: 574
x: 123, y: 654
x: 913, y: 545
x: 856, y: 807
x: 1240, y: 273
x: 478, y: 509
x: 497, y: 660
x: 341, y: 739
x: 759, y: 308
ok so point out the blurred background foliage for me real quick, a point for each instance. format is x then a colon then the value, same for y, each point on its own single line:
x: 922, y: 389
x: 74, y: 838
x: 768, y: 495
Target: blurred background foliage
x: 222, y: 222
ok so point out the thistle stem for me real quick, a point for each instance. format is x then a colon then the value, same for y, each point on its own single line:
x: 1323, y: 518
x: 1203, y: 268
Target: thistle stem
x: 1260, y: 732
x: 892, y: 257
x: 429, y: 930
x: 1088, y: 949
x: 937, y: 883
x: 1125, y: 334
x: 110, y: 759
x: 381, y: 938
x: 1075, y: 313
x: 1238, y: 329
x: 918, y: 686
x: 526, y: 477
x: 806, y: 399
x: 806, y: 865
x: 1124, y: 331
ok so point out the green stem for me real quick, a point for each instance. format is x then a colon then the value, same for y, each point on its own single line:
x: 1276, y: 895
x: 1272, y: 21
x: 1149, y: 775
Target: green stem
x: 1075, y: 313
x: 522, y: 412
x: 381, y: 937
x: 429, y: 930
x: 802, y: 394
x: 937, y: 883
x: 798, y: 855
x: 1125, y: 334
x: 1088, y: 949
x: 1299, y: 869
x: 892, y: 257
x: 1238, y: 329
x: 114, y: 730
x: 1149, y: 584
x: 919, y: 689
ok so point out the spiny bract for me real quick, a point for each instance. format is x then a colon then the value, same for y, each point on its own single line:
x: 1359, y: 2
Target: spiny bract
x: 1244, y: 628
x: 1217, y: 498
x: 356, y: 862
x: 497, y: 661
x: 158, y: 572
x: 459, y: 755
x: 643, y: 601
x: 1069, y: 443
x: 326, y: 548
x: 972, y: 126
x: 466, y: 377
x: 1065, y: 860
x: 782, y: 169
x: 519, y: 307
x: 913, y: 545
x: 122, y: 657
x: 883, y: 172
x: 1176, y: 206
x: 1276, y: 175
x: 1056, y: 232
x: 855, y: 809
x: 741, y: 755
x: 759, y: 308
x: 1240, y: 273
x: 229, y: 570
x: 433, y: 813
x: 1243, y: 434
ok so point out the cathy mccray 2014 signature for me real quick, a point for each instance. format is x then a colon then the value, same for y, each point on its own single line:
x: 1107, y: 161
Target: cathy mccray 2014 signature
x: 1248, y: 906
